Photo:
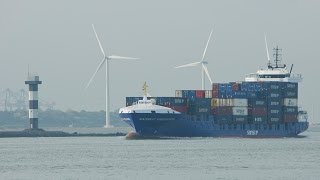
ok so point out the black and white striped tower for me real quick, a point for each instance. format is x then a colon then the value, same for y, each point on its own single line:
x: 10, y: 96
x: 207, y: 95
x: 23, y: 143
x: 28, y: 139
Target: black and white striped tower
x: 33, y: 82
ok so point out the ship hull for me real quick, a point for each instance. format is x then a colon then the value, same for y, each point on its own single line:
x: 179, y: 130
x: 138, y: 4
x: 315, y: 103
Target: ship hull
x: 183, y: 125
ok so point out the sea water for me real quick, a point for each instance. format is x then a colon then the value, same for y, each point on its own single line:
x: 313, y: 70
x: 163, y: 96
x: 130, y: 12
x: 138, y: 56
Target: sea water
x: 181, y: 158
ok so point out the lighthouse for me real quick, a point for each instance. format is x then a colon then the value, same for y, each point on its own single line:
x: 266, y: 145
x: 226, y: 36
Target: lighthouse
x: 33, y: 82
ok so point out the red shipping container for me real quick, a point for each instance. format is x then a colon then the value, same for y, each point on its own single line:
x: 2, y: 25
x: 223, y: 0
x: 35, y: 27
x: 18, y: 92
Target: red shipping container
x: 258, y: 111
x: 222, y: 110
x: 290, y: 118
x: 215, y: 94
x: 235, y: 86
x: 200, y: 93
x: 215, y: 86
x: 181, y: 109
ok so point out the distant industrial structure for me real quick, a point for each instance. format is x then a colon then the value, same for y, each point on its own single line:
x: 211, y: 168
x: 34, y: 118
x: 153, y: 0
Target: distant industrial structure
x: 13, y: 100
x: 33, y: 82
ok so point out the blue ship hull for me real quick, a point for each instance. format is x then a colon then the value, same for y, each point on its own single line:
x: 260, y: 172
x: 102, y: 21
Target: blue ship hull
x: 183, y: 125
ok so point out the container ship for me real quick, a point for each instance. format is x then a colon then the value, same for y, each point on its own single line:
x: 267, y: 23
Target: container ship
x: 265, y: 104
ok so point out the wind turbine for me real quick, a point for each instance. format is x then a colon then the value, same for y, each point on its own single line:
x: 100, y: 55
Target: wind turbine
x: 106, y: 60
x: 203, y: 63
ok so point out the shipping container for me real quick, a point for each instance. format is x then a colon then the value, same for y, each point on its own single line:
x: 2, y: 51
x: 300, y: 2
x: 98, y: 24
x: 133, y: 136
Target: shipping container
x: 252, y: 94
x: 199, y: 110
x: 235, y: 86
x: 222, y: 87
x: 200, y: 93
x: 275, y: 102
x: 258, y: 86
x: 188, y: 93
x: 222, y: 94
x: 240, y: 119
x: 229, y: 87
x: 290, y: 102
x: 290, y: 110
x: 208, y: 94
x: 215, y: 86
x: 273, y: 86
x: 251, y: 86
x: 215, y: 94
x: 244, y: 86
x: 223, y: 119
x: 290, y: 118
x: 275, y: 94
x: 258, y: 119
x: 178, y: 93
x: 275, y: 111
x: 258, y: 111
x: 215, y: 102
x: 239, y: 94
x: 243, y: 111
x: 274, y: 119
x: 290, y: 94
x: 239, y: 102
x: 222, y: 110
x: 229, y: 94
x: 181, y: 109
x: 203, y: 102
x: 290, y: 86
x: 257, y: 102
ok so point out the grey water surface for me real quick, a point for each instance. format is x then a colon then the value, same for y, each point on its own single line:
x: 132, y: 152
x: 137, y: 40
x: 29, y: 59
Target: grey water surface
x: 183, y: 158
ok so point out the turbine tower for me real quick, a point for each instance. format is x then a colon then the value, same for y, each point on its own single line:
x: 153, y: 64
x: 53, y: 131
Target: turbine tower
x: 106, y: 60
x: 203, y: 63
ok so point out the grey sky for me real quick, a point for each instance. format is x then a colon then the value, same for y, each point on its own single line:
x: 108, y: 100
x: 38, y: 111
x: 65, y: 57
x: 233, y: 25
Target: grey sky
x: 56, y: 39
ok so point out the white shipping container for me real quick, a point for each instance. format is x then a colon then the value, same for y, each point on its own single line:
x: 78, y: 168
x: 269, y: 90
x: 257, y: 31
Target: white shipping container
x: 208, y: 94
x: 178, y: 93
x: 240, y: 102
x: 290, y: 102
x: 242, y: 111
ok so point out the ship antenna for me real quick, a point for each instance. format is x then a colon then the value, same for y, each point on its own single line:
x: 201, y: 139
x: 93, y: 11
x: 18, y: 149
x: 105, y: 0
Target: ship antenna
x: 265, y: 40
x: 291, y: 69
x: 144, y: 88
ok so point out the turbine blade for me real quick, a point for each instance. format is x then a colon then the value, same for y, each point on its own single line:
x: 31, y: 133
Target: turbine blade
x: 188, y: 65
x: 265, y: 40
x: 94, y: 30
x: 121, y: 57
x: 98, y: 68
x: 205, y: 50
x: 207, y: 72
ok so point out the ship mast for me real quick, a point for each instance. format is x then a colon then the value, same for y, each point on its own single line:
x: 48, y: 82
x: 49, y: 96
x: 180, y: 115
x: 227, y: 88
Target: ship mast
x: 277, y: 56
x: 144, y: 88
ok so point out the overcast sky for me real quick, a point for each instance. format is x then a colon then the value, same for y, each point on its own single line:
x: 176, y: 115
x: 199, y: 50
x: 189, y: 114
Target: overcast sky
x: 56, y: 39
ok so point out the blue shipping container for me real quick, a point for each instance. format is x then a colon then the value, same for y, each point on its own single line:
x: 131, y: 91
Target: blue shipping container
x: 275, y: 119
x: 258, y: 119
x: 222, y: 87
x: 240, y: 94
x: 290, y: 110
x: 275, y: 102
x: 252, y: 94
x: 257, y: 102
x: 276, y: 95
x: 240, y: 119
x: 290, y: 94
x: 223, y: 119
x: 275, y: 111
